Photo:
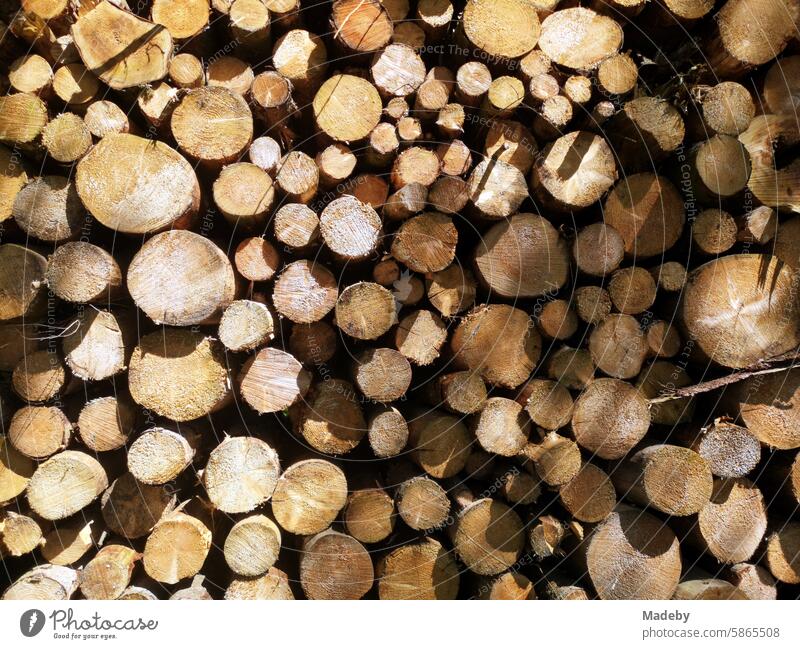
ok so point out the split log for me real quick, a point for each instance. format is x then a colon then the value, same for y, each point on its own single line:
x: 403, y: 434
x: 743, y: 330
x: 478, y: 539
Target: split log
x: 122, y: 49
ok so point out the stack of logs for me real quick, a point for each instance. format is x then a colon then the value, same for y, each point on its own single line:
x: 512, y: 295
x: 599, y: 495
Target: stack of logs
x: 399, y: 299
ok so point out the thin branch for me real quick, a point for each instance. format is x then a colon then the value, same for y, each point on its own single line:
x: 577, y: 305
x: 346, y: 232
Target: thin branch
x: 760, y: 368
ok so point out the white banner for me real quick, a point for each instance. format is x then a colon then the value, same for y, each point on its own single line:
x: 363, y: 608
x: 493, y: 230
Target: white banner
x: 372, y: 624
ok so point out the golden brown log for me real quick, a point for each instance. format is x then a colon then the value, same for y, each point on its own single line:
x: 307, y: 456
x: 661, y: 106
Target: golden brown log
x: 109, y: 572
x: 181, y: 278
x: 179, y: 374
x: 164, y: 191
x: 65, y: 484
x: 176, y: 548
x: 369, y: 515
x: 309, y: 496
x: 419, y: 570
x: 499, y: 342
x: 252, y: 546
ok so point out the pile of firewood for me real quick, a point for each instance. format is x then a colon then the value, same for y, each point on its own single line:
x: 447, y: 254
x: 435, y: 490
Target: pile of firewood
x: 399, y: 299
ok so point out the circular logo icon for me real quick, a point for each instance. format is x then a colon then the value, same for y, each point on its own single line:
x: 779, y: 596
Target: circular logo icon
x: 31, y: 622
